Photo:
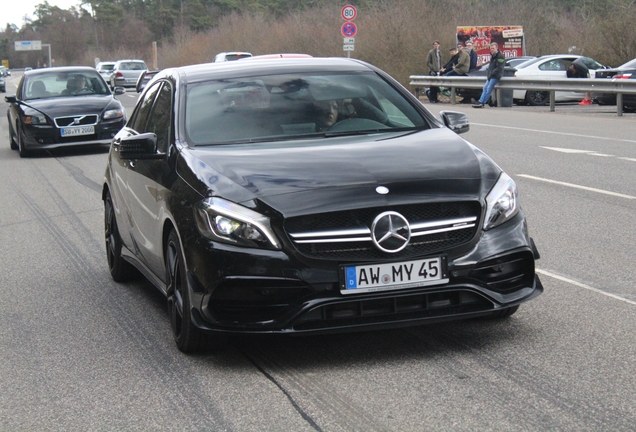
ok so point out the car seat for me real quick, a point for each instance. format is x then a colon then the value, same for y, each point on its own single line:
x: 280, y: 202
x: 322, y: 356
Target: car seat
x: 38, y: 89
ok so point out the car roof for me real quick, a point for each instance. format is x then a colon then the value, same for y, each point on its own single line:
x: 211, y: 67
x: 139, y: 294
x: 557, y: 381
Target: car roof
x: 62, y: 69
x: 206, y: 71
x: 282, y: 55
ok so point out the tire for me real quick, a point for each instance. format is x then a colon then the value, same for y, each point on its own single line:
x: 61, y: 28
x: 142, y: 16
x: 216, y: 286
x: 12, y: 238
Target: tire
x: 537, y: 98
x: 12, y: 139
x: 504, y: 313
x: 120, y: 270
x: 24, y: 153
x: 188, y: 337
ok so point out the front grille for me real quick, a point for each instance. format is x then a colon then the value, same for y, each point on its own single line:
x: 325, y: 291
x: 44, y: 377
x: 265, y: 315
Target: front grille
x: 346, y: 235
x: 82, y: 120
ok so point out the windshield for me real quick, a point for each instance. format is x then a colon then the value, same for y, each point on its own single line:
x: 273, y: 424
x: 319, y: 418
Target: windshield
x: 629, y: 65
x: 289, y: 106
x: 64, y: 84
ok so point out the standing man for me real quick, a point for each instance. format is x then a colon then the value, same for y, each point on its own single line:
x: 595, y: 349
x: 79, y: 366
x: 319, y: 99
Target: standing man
x: 495, y: 72
x: 434, y: 63
x: 463, y: 63
x: 472, y: 54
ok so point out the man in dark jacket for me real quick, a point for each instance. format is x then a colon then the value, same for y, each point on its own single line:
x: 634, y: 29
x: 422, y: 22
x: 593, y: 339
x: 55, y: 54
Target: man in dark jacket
x: 454, y: 56
x: 577, y: 69
x: 434, y: 63
x: 495, y: 72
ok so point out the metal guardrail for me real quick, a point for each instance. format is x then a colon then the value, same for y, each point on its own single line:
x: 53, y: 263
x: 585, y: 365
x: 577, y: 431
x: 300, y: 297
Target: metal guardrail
x: 596, y: 85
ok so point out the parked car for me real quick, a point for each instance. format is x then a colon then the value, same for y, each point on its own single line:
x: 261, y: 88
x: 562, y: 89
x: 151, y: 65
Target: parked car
x: 550, y: 67
x: 625, y: 71
x: 60, y: 107
x: 4, y: 71
x: 306, y: 196
x: 230, y: 56
x: 105, y: 69
x: 125, y: 73
x: 3, y: 84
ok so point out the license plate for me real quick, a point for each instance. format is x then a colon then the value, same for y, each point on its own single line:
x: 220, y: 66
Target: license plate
x: 78, y: 130
x: 391, y: 276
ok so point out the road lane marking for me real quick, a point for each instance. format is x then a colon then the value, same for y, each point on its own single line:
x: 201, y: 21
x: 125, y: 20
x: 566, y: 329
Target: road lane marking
x: 553, y: 132
x: 567, y: 150
x: 628, y: 159
x: 589, y: 189
x: 587, y: 287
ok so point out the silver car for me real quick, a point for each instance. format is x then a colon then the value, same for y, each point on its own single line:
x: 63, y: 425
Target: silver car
x: 105, y: 69
x: 126, y: 73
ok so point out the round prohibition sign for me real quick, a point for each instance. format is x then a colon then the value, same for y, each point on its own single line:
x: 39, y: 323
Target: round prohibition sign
x: 349, y: 29
x: 349, y: 13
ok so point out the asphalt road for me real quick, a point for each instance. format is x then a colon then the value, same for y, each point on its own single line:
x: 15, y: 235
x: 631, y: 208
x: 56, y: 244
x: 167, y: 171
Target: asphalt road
x: 81, y: 352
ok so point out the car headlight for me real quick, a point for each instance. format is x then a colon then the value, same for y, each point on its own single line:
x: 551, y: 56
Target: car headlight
x: 35, y: 119
x: 113, y: 114
x: 502, y: 202
x: 225, y: 221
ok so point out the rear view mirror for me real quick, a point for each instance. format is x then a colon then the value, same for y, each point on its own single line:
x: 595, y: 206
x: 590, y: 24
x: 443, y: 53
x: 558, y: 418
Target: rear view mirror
x: 455, y: 121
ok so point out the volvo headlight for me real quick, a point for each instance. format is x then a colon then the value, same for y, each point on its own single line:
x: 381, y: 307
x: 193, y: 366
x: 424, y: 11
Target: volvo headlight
x: 225, y: 221
x: 113, y: 114
x: 35, y: 119
x: 502, y: 202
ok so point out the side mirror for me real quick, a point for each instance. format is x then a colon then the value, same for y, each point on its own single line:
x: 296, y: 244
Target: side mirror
x: 119, y: 90
x: 10, y: 99
x: 455, y: 121
x: 142, y: 146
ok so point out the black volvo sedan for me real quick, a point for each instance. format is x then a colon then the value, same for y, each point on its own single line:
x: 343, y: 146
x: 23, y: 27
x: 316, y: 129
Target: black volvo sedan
x: 309, y: 196
x: 60, y: 107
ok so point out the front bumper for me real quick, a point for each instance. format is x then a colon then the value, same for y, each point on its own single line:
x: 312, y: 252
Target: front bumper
x: 47, y: 136
x: 274, y: 292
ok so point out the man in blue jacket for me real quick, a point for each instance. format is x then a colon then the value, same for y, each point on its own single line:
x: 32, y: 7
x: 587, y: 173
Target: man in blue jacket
x: 495, y: 72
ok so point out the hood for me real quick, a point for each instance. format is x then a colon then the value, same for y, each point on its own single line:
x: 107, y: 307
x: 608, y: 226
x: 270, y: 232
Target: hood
x: 72, y: 105
x: 340, y: 173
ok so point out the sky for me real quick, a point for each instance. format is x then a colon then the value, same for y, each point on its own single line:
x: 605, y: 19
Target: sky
x: 12, y: 11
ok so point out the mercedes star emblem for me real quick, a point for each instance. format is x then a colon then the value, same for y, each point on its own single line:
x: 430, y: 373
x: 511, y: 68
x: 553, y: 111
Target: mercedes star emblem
x: 391, y: 232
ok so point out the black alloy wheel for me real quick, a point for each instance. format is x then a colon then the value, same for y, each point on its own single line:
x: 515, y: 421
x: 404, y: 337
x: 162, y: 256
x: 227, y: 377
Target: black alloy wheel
x: 120, y: 270
x: 20, y: 147
x: 537, y: 98
x: 189, y: 338
x: 12, y: 138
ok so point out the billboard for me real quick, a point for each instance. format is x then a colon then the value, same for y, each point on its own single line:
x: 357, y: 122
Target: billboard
x: 509, y: 38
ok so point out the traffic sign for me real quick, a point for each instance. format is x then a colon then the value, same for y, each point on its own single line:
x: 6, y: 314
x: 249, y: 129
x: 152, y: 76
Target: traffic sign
x: 349, y: 13
x: 347, y: 47
x: 349, y: 40
x: 35, y: 45
x: 349, y: 29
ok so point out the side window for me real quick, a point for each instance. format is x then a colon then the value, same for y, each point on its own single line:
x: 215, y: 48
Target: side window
x: 160, y: 119
x: 139, y: 119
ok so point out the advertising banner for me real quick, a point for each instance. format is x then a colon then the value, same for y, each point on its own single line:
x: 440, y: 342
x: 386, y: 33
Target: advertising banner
x: 509, y: 38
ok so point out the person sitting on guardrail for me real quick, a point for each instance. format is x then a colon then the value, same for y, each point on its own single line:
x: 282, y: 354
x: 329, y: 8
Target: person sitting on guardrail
x: 577, y: 69
x: 463, y: 63
x: 495, y: 72
x: 454, y: 56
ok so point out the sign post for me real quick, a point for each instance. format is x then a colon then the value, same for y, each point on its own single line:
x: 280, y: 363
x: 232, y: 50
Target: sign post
x: 348, y: 29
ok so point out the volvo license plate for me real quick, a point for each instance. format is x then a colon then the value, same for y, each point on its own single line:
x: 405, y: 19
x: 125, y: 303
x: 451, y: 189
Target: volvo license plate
x: 78, y: 130
x: 391, y: 276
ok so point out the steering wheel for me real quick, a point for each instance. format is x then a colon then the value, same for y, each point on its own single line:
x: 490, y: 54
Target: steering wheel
x: 85, y: 90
